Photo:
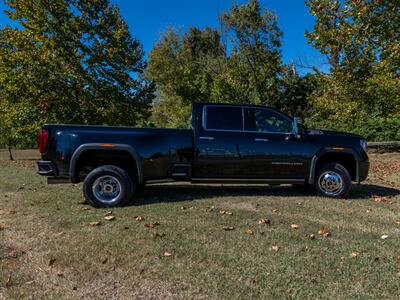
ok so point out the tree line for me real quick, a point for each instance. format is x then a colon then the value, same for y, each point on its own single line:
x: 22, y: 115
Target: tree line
x: 75, y: 61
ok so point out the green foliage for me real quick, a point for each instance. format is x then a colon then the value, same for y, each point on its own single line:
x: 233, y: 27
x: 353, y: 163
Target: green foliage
x: 72, y: 61
x: 362, y: 91
x: 197, y: 67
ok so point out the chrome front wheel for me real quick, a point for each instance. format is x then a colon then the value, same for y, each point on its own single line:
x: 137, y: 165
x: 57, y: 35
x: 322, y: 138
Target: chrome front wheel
x: 333, y: 180
x: 331, y: 183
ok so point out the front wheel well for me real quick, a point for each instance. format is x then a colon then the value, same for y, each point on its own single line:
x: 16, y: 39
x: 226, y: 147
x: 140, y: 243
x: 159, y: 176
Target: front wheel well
x: 347, y: 160
x: 92, y: 159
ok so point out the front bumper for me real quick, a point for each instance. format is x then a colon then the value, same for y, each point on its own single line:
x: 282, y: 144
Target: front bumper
x: 46, y: 168
x: 363, y: 170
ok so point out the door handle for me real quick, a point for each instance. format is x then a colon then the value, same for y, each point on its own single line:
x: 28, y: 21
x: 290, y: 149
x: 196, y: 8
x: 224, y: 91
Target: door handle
x: 261, y: 140
x: 206, y: 138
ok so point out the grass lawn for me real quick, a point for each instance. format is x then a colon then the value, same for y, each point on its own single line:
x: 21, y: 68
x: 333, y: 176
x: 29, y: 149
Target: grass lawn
x: 49, y: 249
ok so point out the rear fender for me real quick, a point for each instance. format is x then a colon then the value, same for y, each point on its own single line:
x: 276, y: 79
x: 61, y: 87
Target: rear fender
x: 104, y: 147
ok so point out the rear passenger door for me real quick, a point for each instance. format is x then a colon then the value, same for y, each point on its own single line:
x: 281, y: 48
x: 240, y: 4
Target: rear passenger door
x: 217, y: 141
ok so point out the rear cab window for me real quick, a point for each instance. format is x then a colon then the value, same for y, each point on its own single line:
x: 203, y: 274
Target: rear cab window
x: 223, y: 118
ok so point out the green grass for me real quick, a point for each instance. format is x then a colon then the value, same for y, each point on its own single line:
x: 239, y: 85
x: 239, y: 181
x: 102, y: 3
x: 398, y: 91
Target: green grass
x: 122, y: 259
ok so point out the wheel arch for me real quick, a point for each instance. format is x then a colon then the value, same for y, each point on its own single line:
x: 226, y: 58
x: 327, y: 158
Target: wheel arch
x: 110, y: 149
x: 346, y: 157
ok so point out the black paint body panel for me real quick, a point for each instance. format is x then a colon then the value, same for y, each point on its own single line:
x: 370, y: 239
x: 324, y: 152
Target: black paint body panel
x: 205, y: 153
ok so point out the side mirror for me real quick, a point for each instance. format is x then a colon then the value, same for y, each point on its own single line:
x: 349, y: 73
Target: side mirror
x: 295, y: 129
x: 295, y: 134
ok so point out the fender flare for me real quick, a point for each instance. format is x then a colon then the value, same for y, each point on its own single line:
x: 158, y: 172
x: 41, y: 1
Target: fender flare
x: 323, y: 151
x: 110, y: 147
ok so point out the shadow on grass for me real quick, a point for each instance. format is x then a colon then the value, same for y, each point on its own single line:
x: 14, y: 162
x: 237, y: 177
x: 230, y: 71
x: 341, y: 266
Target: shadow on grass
x: 185, y: 192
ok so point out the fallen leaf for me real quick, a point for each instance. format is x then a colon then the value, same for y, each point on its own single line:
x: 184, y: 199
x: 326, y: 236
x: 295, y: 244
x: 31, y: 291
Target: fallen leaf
x: 249, y: 232
x: 139, y: 218
x: 324, y: 231
x: 384, y: 237
x: 295, y: 226
x: 109, y: 218
x: 52, y: 261
x: 151, y: 225
x: 397, y: 222
x: 275, y: 248
x: 264, y: 221
x: 95, y: 223
x: 227, y: 228
x: 275, y: 210
x: 158, y: 234
x: 166, y: 253
x: 30, y: 282
x: 109, y: 213
x: 8, y: 282
x: 60, y: 233
x: 353, y: 254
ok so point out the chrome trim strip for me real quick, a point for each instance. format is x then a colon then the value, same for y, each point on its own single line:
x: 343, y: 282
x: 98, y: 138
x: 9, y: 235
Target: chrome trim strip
x: 159, y: 181
x: 232, y: 180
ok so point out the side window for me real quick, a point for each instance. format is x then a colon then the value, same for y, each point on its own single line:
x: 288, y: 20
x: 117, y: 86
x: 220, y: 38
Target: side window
x: 265, y: 120
x: 224, y: 118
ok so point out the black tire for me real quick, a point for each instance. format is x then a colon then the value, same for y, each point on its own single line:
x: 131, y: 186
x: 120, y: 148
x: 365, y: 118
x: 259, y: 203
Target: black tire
x: 333, y: 181
x: 108, y: 186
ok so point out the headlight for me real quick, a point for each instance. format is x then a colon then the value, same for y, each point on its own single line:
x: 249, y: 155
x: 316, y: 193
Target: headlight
x: 363, y: 144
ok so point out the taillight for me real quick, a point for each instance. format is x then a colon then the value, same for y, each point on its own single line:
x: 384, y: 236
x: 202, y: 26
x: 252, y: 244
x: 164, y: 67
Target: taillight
x: 43, y: 139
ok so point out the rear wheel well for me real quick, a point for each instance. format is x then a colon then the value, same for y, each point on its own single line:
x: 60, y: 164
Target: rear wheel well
x: 92, y: 159
x: 347, y: 160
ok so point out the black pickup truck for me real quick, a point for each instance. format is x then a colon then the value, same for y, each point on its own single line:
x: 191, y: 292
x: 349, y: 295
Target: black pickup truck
x: 226, y: 144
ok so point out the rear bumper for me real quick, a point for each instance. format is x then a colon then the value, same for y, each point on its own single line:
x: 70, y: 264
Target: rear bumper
x: 46, y: 168
x: 363, y: 170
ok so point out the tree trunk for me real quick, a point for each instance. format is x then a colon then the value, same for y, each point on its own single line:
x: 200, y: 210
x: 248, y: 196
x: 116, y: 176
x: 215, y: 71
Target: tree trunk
x: 10, y: 153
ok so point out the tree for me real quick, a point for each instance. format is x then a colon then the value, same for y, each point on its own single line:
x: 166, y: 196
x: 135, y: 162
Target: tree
x: 362, y: 42
x: 72, y: 61
x: 240, y: 63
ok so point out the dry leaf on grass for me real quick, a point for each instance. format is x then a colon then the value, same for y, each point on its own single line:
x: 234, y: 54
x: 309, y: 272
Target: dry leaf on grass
x: 275, y: 210
x: 8, y: 282
x: 167, y: 254
x: 324, y: 231
x: 227, y: 228
x: 249, y: 232
x: 295, y: 226
x: 151, y: 225
x: 138, y: 218
x: 264, y: 221
x: 353, y: 254
x: 275, y: 248
x: 60, y: 233
x: 109, y: 213
x: 109, y: 218
x: 51, y: 262
x: 397, y: 222
x: 95, y: 223
x: 158, y: 234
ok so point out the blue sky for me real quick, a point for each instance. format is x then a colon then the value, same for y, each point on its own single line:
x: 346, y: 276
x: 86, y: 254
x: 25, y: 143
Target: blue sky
x: 148, y: 19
